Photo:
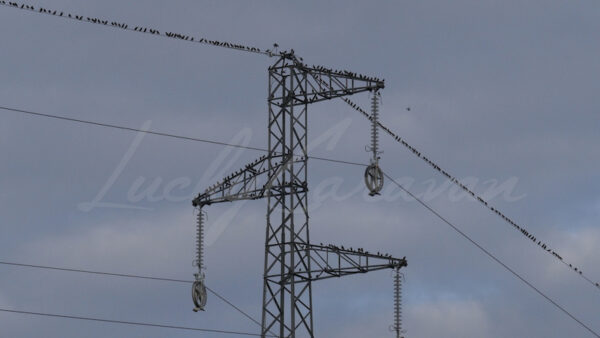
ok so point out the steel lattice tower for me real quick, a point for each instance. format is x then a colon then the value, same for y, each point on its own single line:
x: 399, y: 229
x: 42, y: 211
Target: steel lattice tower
x: 287, y: 213
x: 292, y: 262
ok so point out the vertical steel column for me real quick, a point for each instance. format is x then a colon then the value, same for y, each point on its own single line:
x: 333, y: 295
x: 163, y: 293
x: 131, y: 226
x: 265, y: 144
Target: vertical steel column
x: 287, y: 299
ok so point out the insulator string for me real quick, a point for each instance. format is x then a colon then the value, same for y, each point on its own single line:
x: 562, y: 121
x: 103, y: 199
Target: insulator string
x: 200, y: 241
x: 375, y: 127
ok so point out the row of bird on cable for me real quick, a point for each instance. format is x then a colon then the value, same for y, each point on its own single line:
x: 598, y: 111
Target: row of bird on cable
x: 320, y: 68
x: 453, y: 179
x: 185, y: 38
x: 359, y: 250
x: 136, y: 29
x: 347, y: 73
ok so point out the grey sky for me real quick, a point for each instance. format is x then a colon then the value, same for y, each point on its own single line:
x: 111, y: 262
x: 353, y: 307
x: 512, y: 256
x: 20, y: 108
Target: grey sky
x: 498, y: 90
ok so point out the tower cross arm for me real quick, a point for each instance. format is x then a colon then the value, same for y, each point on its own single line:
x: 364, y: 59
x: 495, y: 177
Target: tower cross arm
x: 253, y: 181
x: 328, y: 261
x: 317, y: 83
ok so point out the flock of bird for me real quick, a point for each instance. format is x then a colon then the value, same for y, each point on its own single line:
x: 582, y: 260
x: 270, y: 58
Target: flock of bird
x: 135, y: 29
x: 345, y: 73
x: 227, y: 180
x: 358, y: 250
x: 454, y: 180
x: 185, y: 38
x: 318, y: 68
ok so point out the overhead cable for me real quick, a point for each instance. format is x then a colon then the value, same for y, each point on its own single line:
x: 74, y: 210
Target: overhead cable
x: 494, y: 258
x: 112, y: 274
x: 138, y: 29
x: 477, y: 197
x: 132, y: 323
x: 114, y: 126
x: 453, y: 179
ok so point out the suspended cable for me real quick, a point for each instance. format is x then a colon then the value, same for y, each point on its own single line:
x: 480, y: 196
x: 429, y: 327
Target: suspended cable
x: 130, y: 276
x: 202, y: 40
x: 453, y: 179
x: 124, y: 322
x: 114, y: 126
x: 183, y: 37
x: 259, y: 149
x: 475, y: 196
x: 139, y: 29
x: 490, y: 255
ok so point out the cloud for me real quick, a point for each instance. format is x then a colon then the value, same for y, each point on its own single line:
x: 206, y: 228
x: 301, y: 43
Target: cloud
x: 4, y: 303
x: 578, y: 246
x: 495, y: 90
x: 151, y: 242
x: 448, y: 318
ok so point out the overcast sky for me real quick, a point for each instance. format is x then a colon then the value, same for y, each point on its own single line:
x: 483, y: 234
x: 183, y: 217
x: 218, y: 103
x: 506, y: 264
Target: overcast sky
x: 503, y: 94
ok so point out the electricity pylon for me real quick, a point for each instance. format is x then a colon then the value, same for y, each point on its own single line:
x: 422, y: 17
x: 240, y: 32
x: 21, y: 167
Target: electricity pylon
x: 291, y: 262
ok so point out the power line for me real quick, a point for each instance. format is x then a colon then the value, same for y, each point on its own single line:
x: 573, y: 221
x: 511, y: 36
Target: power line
x: 454, y: 227
x: 490, y: 255
x: 269, y: 53
x: 183, y: 37
x: 259, y: 149
x: 452, y: 179
x: 458, y: 183
x: 138, y: 29
x: 475, y: 196
x: 129, y: 276
x: 124, y: 322
x: 171, y: 35
x: 107, y: 125
x: 114, y: 126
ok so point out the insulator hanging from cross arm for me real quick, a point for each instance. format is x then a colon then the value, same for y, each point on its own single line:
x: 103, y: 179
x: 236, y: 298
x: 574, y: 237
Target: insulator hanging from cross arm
x: 374, y: 127
x: 373, y: 174
x: 397, y: 326
x: 199, y: 287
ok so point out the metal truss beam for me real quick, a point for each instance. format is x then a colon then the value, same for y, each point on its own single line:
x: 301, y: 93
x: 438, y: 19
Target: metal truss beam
x: 252, y: 182
x: 314, y: 83
x: 332, y: 261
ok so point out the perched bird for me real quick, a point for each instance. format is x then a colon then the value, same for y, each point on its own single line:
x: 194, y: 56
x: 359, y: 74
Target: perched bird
x: 408, y: 108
